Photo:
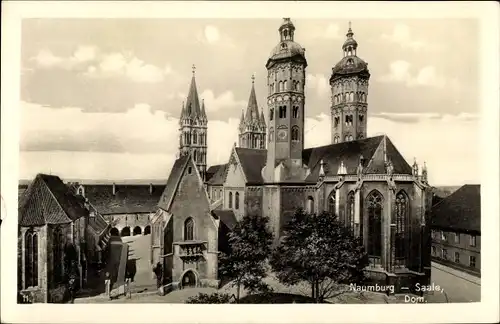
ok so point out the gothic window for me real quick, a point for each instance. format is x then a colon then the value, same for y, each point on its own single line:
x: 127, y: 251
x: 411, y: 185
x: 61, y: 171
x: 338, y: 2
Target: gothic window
x: 285, y: 33
x: 336, y: 121
x: 346, y: 138
x: 281, y: 86
x: 332, y: 203
x: 57, y: 242
x: 351, y: 97
x: 31, y: 259
x: 282, y: 111
x: 351, y: 138
x: 295, y: 133
x: 361, y: 117
x: 271, y: 114
x: 271, y: 134
x: 335, y: 139
x: 374, y: 209
x: 80, y: 191
x: 237, y: 200
x: 297, y: 85
x: 401, y: 223
x: 230, y: 202
x: 189, y: 229
x: 348, y: 120
x: 285, y: 85
x: 350, y: 210
x: 310, y: 205
x: 195, y: 138
x: 295, y: 112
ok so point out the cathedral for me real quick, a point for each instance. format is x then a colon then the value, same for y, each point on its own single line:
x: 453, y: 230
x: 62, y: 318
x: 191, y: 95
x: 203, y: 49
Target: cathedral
x: 364, y: 180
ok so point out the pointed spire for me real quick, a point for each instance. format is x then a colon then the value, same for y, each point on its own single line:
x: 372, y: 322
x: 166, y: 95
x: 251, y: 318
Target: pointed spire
x: 342, y: 170
x: 203, y: 111
x: 192, y: 101
x: 350, y: 44
x: 252, y: 113
x: 262, y: 119
x: 349, y: 32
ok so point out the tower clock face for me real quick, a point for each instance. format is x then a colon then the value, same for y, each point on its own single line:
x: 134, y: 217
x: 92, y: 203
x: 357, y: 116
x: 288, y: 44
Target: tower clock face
x: 282, y: 133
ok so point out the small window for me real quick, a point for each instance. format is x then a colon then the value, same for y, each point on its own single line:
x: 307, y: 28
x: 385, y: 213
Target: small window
x: 285, y: 85
x: 361, y: 118
x: 271, y: 114
x: 444, y: 254
x: 189, y: 229
x: 472, y: 261
x: 472, y: 240
x: 336, y: 121
x: 282, y: 111
x: 237, y: 200
x: 457, y: 257
x: 230, y: 202
x: 346, y: 138
x: 310, y: 205
x: 295, y: 133
x: 295, y: 112
x: 351, y: 138
x: 335, y: 139
x: 190, y: 170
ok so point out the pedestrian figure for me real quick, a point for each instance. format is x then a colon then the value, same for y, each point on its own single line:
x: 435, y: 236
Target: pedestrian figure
x: 158, y: 270
x: 107, y: 283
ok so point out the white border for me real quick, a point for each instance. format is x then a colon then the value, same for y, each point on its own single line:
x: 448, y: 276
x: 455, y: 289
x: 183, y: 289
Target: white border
x: 486, y: 311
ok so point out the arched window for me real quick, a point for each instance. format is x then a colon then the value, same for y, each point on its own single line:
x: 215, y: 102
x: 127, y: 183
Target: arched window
x: 361, y: 118
x: 31, y: 259
x: 230, y: 202
x: 374, y: 209
x: 351, y: 97
x: 310, y: 205
x: 282, y: 111
x: 195, y: 138
x: 297, y: 86
x: 80, y: 191
x: 280, y: 86
x: 401, y: 225
x: 295, y: 113
x: 237, y: 200
x: 58, y: 244
x: 336, y: 121
x: 351, y: 138
x: 350, y: 210
x: 295, y: 133
x: 285, y: 85
x: 335, y: 139
x: 271, y: 114
x: 189, y: 229
x: 346, y: 138
x: 332, y: 203
x: 271, y: 134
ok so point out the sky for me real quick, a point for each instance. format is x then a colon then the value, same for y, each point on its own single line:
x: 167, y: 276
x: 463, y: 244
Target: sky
x: 101, y: 98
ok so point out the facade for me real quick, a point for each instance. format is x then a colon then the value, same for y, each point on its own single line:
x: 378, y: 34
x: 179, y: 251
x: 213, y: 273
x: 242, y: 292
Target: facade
x: 364, y: 180
x: 56, y: 229
x: 128, y: 208
x: 185, y: 232
x: 456, y: 230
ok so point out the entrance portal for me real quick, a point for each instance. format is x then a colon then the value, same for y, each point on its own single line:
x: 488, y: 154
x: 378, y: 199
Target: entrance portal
x: 189, y: 279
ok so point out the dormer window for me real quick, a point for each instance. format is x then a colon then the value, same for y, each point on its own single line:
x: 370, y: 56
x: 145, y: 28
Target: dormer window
x: 283, y: 45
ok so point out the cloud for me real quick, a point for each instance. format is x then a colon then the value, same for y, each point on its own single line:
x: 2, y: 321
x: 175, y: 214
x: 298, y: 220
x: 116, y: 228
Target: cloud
x: 212, y: 34
x: 125, y: 64
x: 82, y: 54
x: 319, y: 83
x: 400, y: 71
x: 225, y: 100
x: 401, y: 35
x: 103, y: 146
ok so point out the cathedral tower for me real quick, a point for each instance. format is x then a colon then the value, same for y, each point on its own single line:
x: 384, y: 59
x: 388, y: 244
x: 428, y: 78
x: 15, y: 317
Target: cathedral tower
x: 252, y: 129
x: 193, y: 128
x: 349, y: 86
x: 286, y: 80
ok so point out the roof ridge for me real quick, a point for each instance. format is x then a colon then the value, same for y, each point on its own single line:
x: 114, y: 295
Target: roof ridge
x: 177, y: 182
x: 57, y: 201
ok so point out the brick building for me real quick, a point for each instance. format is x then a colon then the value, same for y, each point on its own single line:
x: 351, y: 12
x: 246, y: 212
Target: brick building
x: 55, y: 228
x: 365, y: 181
x: 127, y: 207
x: 456, y: 230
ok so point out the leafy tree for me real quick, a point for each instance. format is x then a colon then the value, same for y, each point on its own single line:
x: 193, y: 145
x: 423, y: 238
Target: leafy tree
x: 249, y: 247
x: 214, y: 298
x: 320, y: 250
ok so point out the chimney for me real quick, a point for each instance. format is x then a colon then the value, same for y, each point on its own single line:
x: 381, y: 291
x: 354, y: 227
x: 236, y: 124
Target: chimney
x: 151, y: 189
x: 114, y: 189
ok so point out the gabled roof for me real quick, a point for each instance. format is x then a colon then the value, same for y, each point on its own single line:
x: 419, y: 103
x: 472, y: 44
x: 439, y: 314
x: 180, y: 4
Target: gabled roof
x: 173, y: 181
x: 217, y: 178
x: 48, y: 200
x: 226, y: 216
x: 349, y: 153
x: 128, y: 199
x: 460, y: 211
x: 252, y: 161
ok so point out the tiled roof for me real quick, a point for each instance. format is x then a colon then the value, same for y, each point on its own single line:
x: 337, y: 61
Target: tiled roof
x: 49, y: 201
x: 218, y: 178
x: 252, y: 162
x: 172, y: 182
x: 127, y: 198
x: 460, y: 211
x: 372, y: 150
x: 212, y: 171
x: 226, y: 216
